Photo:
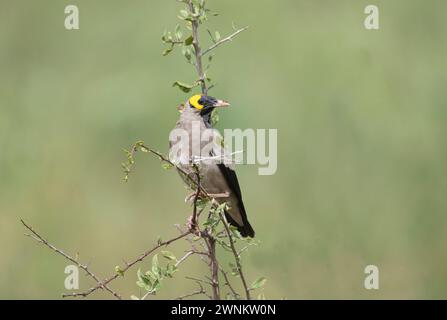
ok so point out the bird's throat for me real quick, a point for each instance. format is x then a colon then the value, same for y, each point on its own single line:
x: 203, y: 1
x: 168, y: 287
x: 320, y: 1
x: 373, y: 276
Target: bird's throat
x: 205, y: 113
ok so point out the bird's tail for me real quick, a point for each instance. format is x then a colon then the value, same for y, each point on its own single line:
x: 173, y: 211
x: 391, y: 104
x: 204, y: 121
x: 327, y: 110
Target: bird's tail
x: 246, y: 230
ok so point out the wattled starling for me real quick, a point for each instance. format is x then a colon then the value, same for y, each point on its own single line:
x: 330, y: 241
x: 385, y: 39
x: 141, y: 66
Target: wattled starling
x: 217, y: 176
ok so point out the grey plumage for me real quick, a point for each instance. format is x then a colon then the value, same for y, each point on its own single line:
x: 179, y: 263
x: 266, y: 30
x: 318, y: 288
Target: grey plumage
x: 217, y: 177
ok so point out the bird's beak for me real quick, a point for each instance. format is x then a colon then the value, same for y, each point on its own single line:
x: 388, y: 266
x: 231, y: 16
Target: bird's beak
x: 221, y: 103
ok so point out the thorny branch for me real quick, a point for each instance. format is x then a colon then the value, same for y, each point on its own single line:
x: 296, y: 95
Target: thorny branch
x: 128, y: 266
x: 222, y: 41
x: 194, y: 224
x: 214, y: 266
x: 197, y: 50
x: 40, y: 239
x: 228, y: 283
x: 199, y: 291
x: 236, y: 256
x: 208, y: 238
x: 193, y: 228
x: 141, y: 146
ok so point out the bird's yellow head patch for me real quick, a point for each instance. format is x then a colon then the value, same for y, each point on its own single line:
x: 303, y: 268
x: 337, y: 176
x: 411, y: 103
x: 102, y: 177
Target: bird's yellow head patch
x: 194, y: 101
x: 202, y: 102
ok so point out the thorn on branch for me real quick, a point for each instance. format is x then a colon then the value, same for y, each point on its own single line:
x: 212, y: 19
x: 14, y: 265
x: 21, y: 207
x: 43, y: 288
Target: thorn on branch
x: 236, y: 256
x: 223, y: 40
x: 100, y: 283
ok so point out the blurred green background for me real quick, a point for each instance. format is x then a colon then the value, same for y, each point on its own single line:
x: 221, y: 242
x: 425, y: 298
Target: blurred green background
x: 362, y: 148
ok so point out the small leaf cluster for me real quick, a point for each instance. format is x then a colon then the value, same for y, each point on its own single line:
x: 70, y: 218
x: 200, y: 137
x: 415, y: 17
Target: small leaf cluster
x: 214, y: 224
x: 151, y: 279
x: 127, y: 166
x: 184, y: 39
x: 176, y: 38
x: 130, y: 155
x: 199, y: 13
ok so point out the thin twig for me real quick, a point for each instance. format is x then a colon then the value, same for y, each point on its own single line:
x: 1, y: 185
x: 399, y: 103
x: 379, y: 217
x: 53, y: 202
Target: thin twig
x: 199, y: 280
x: 209, y: 239
x: 201, y: 290
x: 222, y: 41
x: 128, y: 266
x: 211, y: 36
x: 40, y: 239
x: 165, y: 159
x: 214, y: 267
x: 201, y: 253
x: 182, y: 259
x: 228, y: 284
x: 194, y: 223
x: 197, y: 50
x: 236, y: 256
x: 193, y: 246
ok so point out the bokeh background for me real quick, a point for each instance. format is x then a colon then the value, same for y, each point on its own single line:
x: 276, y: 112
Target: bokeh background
x: 362, y: 149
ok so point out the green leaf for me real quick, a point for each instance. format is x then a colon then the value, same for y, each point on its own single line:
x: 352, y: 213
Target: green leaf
x: 164, y: 36
x: 221, y: 208
x: 234, y: 270
x: 189, y: 41
x: 119, y: 271
x: 201, y: 203
x: 184, y: 13
x: 186, y: 51
x: 139, y: 274
x: 169, y: 37
x: 168, y: 51
x: 143, y: 281
x: 166, y: 165
x: 233, y: 228
x: 156, y: 286
x: 150, y: 276
x: 185, y: 87
x: 202, y: 17
x: 217, y: 35
x: 170, y: 270
x: 168, y: 255
x: 258, y: 283
x: 155, y: 266
x: 178, y: 32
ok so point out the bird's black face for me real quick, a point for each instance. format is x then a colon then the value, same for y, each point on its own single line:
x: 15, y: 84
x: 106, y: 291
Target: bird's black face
x: 206, y: 103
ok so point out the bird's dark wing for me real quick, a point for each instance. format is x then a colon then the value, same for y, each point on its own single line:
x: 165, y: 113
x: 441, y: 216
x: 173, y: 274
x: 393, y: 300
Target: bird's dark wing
x: 231, y: 179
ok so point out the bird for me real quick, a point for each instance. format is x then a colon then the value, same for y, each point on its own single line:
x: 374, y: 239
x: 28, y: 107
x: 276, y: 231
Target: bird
x: 217, y: 177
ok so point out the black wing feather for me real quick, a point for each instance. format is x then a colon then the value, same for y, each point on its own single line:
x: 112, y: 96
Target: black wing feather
x: 233, y: 183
